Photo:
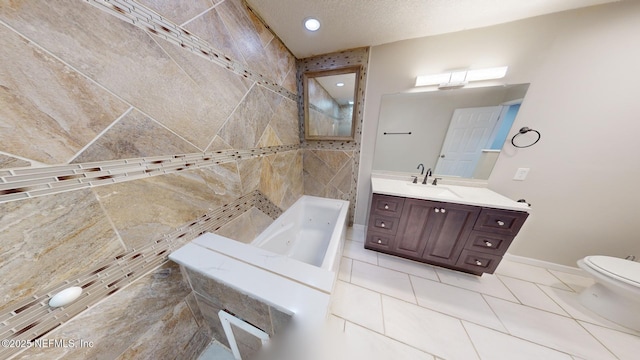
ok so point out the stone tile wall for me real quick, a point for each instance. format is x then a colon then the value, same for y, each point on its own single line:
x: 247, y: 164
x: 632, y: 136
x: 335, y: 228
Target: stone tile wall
x: 331, y: 167
x: 120, y: 122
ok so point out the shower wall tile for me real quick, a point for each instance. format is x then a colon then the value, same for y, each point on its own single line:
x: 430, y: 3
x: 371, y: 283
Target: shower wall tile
x: 246, y: 33
x: 8, y: 162
x: 250, y: 174
x: 283, y: 124
x: 145, y: 208
x: 269, y: 138
x: 125, y: 324
x: 135, y: 135
x: 44, y: 99
x: 246, y: 227
x: 128, y: 62
x: 179, y: 11
x: 50, y: 239
x: 329, y: 173
x: 210, y: 28
x: 246, y: 124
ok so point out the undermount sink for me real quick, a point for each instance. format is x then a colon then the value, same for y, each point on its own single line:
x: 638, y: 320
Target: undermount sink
x: 431, y: 190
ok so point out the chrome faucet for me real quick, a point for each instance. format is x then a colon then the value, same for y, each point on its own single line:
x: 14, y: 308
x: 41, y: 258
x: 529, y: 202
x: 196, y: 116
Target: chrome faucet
x: 421, y: 171
x: 429, y: 173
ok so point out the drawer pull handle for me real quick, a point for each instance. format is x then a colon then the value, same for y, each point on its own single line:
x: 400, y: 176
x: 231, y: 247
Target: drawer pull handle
x: 488, y: 243
x: 437, y: 210
x: 478, y: 262
x: 386, y: 206
x: 382, y: 224
x: 443, y: 210
x: 379, y: 241
x: 500, y: 223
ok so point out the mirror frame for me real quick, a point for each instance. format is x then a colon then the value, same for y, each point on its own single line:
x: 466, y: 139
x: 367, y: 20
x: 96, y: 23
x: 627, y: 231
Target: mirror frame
x: 305, y: 90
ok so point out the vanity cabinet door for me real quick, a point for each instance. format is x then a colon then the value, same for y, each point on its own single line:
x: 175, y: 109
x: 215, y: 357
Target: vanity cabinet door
x: 449, y: 233
x: 434, y: 231
x: 417, y: 220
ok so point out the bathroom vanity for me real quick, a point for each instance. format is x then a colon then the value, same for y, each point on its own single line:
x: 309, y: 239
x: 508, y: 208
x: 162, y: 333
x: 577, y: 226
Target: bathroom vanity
x: 459, y: 227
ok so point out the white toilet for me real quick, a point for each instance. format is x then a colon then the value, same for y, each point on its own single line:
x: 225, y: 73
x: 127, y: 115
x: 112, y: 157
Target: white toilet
x: 616, y: 293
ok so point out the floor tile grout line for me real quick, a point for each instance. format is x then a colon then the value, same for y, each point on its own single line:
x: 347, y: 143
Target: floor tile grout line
x: 597, y: 338
x: 508, y: 288
x: 553, y: 300
x: 382, y: 334
x: 519, y: 338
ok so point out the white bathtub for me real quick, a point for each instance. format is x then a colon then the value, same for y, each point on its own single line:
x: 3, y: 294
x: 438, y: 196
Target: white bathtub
x: 303, y: 245
x: 311, y: 231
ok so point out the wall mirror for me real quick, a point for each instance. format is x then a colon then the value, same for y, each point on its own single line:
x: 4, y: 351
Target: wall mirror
x: 457, y: 133
x: 330, y: 103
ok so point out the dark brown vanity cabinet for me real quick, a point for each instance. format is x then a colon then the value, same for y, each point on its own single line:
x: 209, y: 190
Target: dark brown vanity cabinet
x: 462, y: 237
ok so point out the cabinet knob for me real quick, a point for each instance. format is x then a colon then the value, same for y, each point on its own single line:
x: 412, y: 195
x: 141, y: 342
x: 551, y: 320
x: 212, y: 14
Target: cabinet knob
x: 379, y: 241
x: 488, y: 243
x: 382, y: 224
x: 437, y: 210
x: 443, y: 210
x: 478, y: 262
x: 386, y: 206
x: 500, y: 223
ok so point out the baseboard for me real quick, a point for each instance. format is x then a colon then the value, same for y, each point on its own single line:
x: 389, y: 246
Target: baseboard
x: 545, y: 264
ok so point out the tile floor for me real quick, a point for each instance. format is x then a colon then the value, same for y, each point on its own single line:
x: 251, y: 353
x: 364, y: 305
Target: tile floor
x: 391, y: 308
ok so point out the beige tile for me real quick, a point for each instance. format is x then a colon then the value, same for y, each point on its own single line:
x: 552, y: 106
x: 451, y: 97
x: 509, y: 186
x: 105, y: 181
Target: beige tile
x: 250, y: 174
x: 135, y: 135
x: 144, y: 209
x: 269, y: 138
x: 272, y: 185
x: 47, y: 240
x: 248, y: 121
x: 152, y: 305
x: 44, y: 99
x: 285, y: 122
x: 317, y: 168
x: 175, y: 90
x: 8, y: 162
x: 178, y: 11
x: 246, y: 227
x: 343, y: 179
x: 335, y: 159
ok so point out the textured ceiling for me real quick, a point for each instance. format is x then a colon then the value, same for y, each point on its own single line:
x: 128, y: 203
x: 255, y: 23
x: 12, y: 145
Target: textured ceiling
x: 348, y: 24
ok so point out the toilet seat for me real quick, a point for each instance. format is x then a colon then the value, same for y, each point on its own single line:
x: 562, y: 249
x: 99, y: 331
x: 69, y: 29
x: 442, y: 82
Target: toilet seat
x: 620, y: 269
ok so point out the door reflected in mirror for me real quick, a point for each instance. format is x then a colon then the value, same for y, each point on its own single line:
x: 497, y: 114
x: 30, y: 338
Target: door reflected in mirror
x: 457, y: 133
x: 330, y: 103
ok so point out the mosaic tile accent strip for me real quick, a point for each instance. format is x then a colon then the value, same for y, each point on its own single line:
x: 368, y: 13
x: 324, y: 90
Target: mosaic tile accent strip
x: 32, y: 318
x: 17, y: 184
x: 148, y: 20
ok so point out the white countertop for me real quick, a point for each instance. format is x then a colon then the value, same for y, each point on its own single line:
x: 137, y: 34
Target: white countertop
x: 478, y: 196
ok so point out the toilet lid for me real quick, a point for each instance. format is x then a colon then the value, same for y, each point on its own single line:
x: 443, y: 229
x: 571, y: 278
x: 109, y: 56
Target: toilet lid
x: 625, y: 270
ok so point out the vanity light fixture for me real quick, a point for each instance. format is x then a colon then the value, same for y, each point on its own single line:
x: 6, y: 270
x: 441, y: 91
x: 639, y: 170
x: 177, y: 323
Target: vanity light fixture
x: 311, y: 24
x: 460, y: 78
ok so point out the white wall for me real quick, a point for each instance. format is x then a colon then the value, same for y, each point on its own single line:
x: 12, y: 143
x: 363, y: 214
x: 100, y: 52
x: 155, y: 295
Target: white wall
x: 582, y: 66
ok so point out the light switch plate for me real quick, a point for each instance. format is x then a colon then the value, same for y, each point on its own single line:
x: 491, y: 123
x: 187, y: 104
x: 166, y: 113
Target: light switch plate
x: 521, y: 174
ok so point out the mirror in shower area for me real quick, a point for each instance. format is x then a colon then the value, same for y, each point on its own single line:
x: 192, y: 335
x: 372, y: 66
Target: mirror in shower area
x: 330, y: 103
x: 458, y: 133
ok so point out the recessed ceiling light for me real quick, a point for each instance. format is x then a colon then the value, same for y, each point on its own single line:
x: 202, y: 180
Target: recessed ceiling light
x: 340, y: 84
x: 311, y: 24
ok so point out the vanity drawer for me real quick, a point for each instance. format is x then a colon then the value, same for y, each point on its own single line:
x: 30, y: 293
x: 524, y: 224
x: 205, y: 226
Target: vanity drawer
x: 387, y: 205
x: 477, y: 262
x: 383, y: 224
x: 378, y: 241
x: 499, y: 221
x: 489, y: 243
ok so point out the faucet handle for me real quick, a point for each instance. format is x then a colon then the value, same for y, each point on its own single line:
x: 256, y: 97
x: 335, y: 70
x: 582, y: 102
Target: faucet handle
x: 415, y: 179
x: 435, y: 181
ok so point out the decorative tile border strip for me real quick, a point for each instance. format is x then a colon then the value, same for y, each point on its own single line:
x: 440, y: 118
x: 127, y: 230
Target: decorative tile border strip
x: 18, y: 184
x: 32, y: 318
x: 148, y: 20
